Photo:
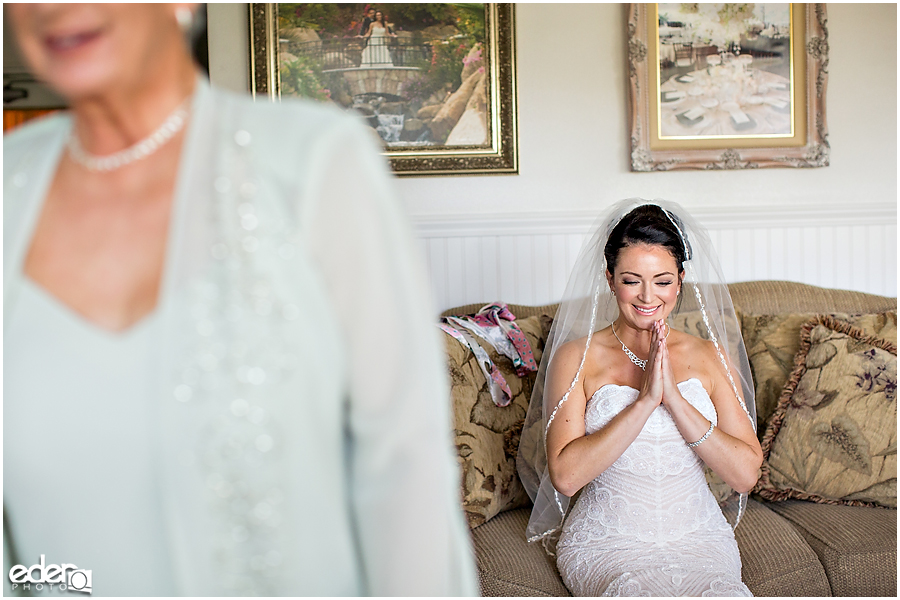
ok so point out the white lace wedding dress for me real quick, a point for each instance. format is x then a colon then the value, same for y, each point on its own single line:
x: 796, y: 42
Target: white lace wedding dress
x: 648, y: 525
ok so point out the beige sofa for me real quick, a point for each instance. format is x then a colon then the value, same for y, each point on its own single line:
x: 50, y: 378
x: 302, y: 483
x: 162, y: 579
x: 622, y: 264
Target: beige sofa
x: 788, y: 548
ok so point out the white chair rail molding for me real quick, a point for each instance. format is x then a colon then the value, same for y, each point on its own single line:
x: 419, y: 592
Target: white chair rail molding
x: 527, y: 258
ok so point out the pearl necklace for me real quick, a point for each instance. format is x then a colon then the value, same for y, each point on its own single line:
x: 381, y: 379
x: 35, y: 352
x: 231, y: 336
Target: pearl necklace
x: 641, y: 362
x: 140, y: 150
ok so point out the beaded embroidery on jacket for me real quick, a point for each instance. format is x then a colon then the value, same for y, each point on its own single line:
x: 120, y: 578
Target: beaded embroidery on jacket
x: 237, y: 340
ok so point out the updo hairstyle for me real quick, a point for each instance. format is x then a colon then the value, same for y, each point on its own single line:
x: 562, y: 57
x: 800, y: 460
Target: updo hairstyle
x: 647, y: 224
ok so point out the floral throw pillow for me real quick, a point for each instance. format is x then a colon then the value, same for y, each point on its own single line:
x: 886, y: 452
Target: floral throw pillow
x: 772, y: 341
x: 833, y: 436
x: 487, y: 435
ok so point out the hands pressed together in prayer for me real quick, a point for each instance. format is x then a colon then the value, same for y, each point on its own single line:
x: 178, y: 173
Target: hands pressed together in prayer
x: 658, y: 384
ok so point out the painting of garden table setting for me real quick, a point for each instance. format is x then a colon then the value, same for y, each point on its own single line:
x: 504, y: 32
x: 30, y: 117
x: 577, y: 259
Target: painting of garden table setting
x: 414, y: 72
x: 725, y: 70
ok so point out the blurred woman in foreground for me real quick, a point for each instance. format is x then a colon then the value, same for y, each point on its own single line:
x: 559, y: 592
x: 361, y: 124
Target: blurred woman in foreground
x: 220, y: 372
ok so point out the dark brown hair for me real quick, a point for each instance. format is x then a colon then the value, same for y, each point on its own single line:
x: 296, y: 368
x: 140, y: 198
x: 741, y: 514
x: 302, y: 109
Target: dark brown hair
x: 647, y: 224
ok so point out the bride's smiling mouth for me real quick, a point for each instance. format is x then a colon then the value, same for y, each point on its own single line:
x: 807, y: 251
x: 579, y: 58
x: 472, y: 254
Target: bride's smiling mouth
x: 646, y: 311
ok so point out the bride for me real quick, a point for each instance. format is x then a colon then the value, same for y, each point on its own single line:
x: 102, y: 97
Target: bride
x: 631, y: 407
x: 376, y: 53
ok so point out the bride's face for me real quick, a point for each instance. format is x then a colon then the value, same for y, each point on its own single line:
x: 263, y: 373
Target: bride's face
x: 646, y: 284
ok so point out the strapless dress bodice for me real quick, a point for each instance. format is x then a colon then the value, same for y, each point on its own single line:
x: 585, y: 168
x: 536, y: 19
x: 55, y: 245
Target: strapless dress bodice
x: 610, y: 399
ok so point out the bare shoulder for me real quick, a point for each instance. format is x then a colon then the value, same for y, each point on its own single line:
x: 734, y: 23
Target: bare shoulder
x: 575, y: 349
x: 697, y: 348
x: 710, y: 353
x: 568, y: 356
x: 711, y: 361
x: 572, y: 347
x: 571, y: 356
x: 696, y: 358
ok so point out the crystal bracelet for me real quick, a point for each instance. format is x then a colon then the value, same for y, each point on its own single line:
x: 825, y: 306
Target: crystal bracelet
x: 703, y: 439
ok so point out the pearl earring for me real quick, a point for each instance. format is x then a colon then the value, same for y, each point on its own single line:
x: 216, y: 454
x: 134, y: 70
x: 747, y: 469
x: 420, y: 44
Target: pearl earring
x: 185, y: 18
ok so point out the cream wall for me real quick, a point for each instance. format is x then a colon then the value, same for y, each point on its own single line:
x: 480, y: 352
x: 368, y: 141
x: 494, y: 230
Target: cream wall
x: 573, y: 108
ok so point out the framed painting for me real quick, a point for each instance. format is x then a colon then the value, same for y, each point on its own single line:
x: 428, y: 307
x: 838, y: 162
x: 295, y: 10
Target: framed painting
x: 727, y: 86
x: 435, y: 82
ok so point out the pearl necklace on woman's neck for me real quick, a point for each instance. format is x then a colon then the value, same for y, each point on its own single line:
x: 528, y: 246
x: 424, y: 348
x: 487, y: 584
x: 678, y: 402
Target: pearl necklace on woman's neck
x: 140, y: 150
x: 641, y: 362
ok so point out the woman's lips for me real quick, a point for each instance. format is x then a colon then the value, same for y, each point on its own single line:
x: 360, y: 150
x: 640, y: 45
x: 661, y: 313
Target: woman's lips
x: 70, y: 42
x: 645, y: 311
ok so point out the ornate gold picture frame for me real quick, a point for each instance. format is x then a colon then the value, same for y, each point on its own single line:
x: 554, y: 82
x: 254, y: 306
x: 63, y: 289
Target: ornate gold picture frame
x: 727, y: 86
x: 463, y: 125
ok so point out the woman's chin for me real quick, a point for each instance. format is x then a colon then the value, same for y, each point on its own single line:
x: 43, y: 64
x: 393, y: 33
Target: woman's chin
x: 76, y: 82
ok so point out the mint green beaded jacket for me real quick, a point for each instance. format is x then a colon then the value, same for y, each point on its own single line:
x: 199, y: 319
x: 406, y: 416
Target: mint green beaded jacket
x: 292, y: 291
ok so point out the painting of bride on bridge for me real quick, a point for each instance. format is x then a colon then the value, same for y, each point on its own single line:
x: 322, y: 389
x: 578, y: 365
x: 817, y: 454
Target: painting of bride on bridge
x: 415, y: 72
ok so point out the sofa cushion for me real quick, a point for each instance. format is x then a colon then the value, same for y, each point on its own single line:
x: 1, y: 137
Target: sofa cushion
x: 782, y: 297
x: 856, y: 545
x: 775, y: 559
x: 832, y: 438
x: 487, y: 436
x: 772, y: 341
x: 510, y: 566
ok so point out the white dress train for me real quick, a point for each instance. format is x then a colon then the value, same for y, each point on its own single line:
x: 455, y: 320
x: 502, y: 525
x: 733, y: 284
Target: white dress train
x: 649, y: 525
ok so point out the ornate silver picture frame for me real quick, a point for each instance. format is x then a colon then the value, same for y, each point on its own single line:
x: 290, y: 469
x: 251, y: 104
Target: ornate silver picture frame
x: 463, y: 125
x: 727, y: 86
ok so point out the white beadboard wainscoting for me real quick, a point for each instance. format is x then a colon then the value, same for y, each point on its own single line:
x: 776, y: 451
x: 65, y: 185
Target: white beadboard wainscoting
x: 526, y: 259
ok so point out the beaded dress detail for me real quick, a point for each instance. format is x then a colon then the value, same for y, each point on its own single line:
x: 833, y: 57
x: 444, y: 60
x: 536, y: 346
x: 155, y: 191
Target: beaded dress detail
x: 649, y: 525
